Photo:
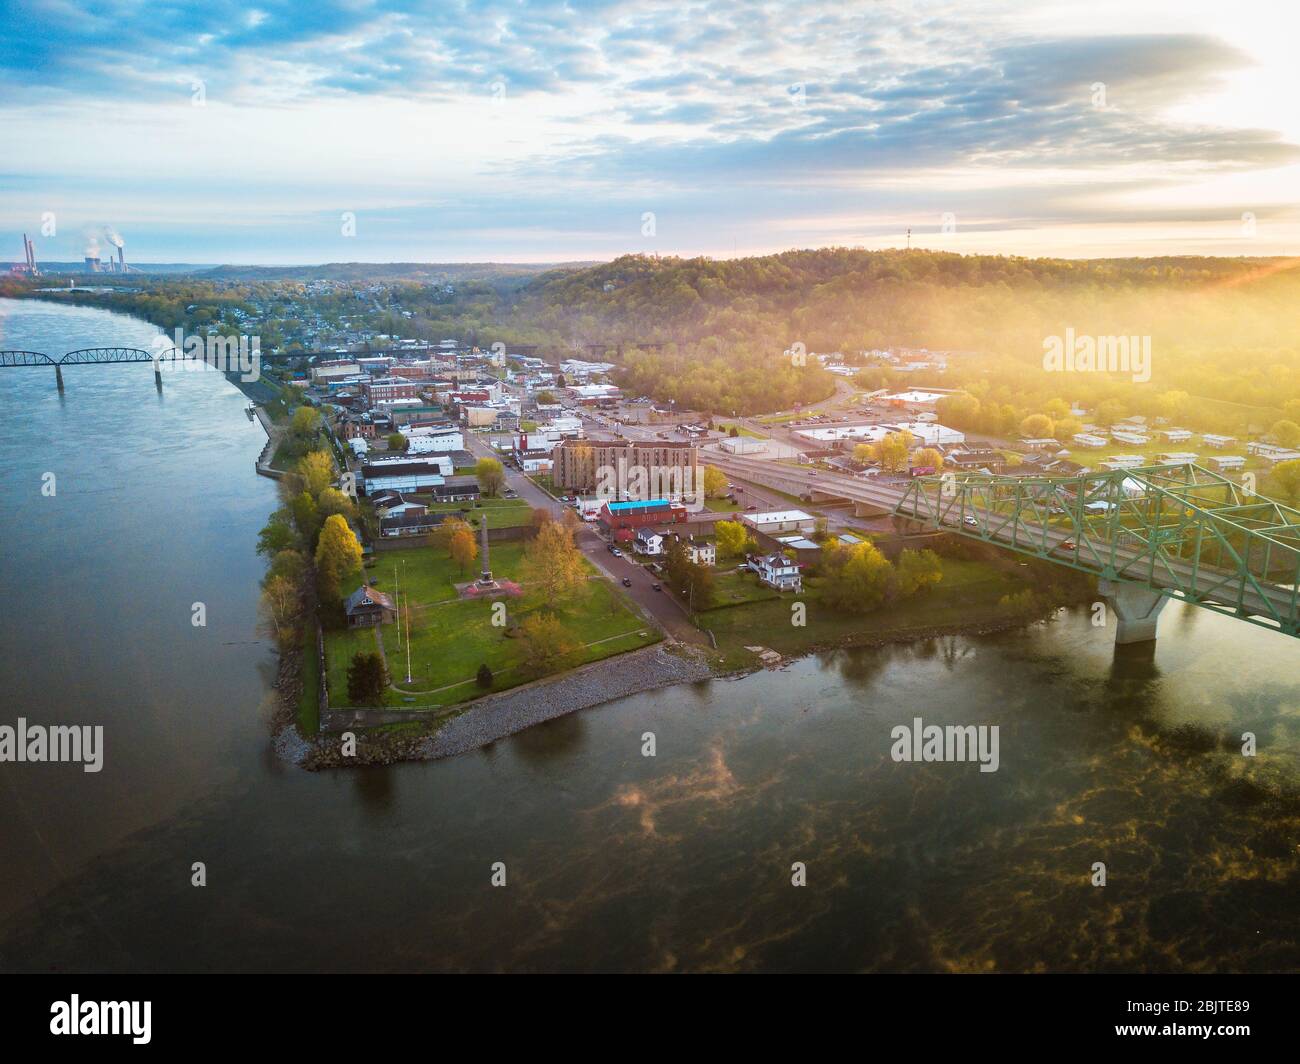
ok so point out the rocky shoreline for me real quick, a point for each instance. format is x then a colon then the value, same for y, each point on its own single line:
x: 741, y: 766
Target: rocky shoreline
x: 497, y: 716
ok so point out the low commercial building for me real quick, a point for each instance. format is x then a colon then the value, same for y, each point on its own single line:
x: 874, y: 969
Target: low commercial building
x: 1217, y: 442
x: 1271, y: 453
x: 405, y: 475
x: 743, y: 445
x: 779, y: 521
x: 1087, y: 439
x: 1226, y: 463
x: 409, y: 524
x: 622, y: 519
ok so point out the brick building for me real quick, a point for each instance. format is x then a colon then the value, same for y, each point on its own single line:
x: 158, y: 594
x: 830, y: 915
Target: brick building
x: 575, y: 464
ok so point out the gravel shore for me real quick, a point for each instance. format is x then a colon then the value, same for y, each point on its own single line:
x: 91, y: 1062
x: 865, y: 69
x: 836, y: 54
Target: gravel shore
x: 496, y: 716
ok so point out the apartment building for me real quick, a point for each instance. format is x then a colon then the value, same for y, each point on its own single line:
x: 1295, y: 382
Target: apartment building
x: 575, y: 464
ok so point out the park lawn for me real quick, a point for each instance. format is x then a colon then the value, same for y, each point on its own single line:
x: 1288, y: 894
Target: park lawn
x: 969, y: 593
x: 742, y: 431
x: 449, y: 642
x: 340, y: 645
x: 501, y: 513
x: 429, y: 576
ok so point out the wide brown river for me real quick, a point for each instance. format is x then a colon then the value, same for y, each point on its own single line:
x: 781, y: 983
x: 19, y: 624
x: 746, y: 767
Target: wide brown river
x: 614, y: 861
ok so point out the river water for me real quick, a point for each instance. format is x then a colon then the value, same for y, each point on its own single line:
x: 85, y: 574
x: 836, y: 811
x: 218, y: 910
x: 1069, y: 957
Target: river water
x: 614, y: 861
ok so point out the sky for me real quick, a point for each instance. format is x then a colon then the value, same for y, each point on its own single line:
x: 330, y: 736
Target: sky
x: 380, y: 131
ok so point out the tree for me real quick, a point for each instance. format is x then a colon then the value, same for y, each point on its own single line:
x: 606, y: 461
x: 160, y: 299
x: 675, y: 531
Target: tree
x: 441, y: 536
x: 1037, y: 427
x: 338, y: 557
x: 864, y: 453
x: 484, y: 677
x: 546, y: 397
x: 553, y: 566
x: 306, y: 517
x: 277, y: 534
x: 398, y: 442
x: 859, y: 577
x: 891, y: 452
x: 733, y: 432
x: 279, y: 610
x: 540, y: 517
x: 1287, y: 433
x: 545, y: 642
x: 928, y: 456
x: 306, y: 423
x: 462, y: 548
x: 316, y: 469
x: 1283, y: 483
x: 333, y: 501
x: 367, y: 679
x: 715, y: 482
x: 732, y: 538
x: 289, y: 564
x: 491, y: 476
x: 918, y: 569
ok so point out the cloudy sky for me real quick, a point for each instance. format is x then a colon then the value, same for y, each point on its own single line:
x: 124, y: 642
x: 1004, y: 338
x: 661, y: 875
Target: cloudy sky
x: 551, y: 131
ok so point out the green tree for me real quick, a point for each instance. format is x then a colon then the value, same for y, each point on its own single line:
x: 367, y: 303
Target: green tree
x: 731, y: 538
x: 918, y: 569
x: 860, y: 578
x: 367, y: 679
x: 1037, y: 427
x: 484, y: 677
x: 306, y: 517
x: 1283, y: 483
x: 491, y: 476
x: 1287, y: 433
x: 306, y: 423
x: 278, y: 534
x: 397, y: 442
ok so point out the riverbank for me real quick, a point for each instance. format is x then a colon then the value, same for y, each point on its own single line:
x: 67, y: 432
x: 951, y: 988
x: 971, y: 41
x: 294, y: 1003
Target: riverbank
x: 497, y: 716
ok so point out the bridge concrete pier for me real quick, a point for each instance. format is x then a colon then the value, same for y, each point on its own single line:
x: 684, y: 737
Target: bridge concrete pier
x: 1136, y: 608
x: 58, y: 377
x: 157, y: 377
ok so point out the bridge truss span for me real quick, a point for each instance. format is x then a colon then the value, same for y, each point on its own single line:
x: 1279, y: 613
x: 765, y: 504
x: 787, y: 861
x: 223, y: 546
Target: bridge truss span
x: 1187, y: 532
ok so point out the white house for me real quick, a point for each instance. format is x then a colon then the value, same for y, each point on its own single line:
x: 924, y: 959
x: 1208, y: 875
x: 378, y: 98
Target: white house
x: 776, y: 570
x: 1210, y: 439
x: 648, y: 541
x: 701, y: 553
x: 1087, y: 439
x: 1226, y: 462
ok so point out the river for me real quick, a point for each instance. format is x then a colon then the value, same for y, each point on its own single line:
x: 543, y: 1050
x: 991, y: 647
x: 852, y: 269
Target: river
x: 614, y: 861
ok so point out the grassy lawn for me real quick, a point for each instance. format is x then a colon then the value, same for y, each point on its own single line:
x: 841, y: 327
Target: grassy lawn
x: 340, y: 645
x: 722, y: 506
x: 452, y: 637
x: 969, y: 593
x: 309, y: 700
x: 734, y: 588
x: 742, y: 431
x: 502, y: 513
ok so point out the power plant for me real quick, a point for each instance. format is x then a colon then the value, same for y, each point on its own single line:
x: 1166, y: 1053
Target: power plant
x: 28, y: 265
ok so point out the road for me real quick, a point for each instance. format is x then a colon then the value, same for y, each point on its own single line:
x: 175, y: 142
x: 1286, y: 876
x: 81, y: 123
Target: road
x: 658, y: 605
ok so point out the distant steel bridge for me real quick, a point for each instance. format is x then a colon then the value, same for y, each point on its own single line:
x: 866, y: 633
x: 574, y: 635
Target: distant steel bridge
x: 97, y: 356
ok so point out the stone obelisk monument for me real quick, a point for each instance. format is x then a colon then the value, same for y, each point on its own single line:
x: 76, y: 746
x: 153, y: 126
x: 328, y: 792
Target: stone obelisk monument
x: 485, y: 574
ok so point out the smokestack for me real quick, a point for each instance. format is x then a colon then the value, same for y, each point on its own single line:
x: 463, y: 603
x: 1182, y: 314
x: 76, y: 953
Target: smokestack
x: 121, y: 260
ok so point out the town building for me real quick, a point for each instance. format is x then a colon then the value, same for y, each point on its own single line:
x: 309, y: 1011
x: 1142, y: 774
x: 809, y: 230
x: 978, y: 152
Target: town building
x: 576, y: 464
x: 622, y: 519
x: 779, y: 521
x: 366, y: 607
x: 776, y: 570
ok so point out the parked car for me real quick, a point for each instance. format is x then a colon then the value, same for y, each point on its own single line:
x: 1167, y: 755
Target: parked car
x: 616, y: 552
x: 751, y: 506
x: 658, y: 587
x: 627, y: 581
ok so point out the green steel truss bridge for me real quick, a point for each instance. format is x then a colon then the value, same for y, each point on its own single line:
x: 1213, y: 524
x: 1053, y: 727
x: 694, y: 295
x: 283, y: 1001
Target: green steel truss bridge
x: 1150, y: 534
x: 94, y: 356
